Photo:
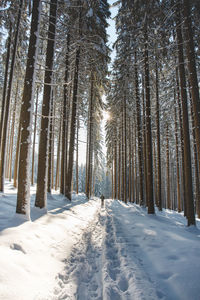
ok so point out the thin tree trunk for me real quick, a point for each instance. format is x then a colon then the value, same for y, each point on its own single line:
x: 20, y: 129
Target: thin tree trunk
x: 5, y: 84
x: 177, y: 157
x: 125, y: 154
x: 49, y: 186
x: 41, y: 193
x: 130, y: 164
x: 133, y: 165
x: 167, y: 168
x: 77, y: 153
x: 148, y: 131
x: 115, y: 164
x: 144, y: 140
x: 139, y: 135
x: 34, y: 137
x: 73, y: 127
x: 122, y: 158
x: 17, y: 156
x: 8, y: 146
x: 119, y: 163
x: 182, y: 141
x: 159, y: 182
x: 90, y: 130
x: 53, y: 137
x: 58, y: 158
x: 7, y: 104
x: 12, y: 133
x: 65, y: 121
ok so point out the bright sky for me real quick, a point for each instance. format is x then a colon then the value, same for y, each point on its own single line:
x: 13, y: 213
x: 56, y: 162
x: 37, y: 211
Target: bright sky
x: 112, y: 37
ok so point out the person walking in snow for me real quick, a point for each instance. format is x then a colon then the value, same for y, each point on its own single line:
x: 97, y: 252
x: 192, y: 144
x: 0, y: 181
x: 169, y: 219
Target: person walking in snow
x: 102, y: 200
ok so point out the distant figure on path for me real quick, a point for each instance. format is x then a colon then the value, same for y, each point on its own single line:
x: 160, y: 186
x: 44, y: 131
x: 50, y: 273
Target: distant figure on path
x: 102, y: 200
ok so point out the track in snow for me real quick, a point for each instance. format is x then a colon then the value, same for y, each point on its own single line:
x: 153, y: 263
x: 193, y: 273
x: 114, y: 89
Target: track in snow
x: 106, y: 263
x: 82, y: 279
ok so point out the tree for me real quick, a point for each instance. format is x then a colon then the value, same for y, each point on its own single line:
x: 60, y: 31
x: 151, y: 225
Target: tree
x: 7, y: 105
x: 41, y: 193
x: 23, y: 194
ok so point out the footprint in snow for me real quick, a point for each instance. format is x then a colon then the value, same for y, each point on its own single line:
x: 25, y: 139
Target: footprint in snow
x: 17, y: 247
x: 123, y: 284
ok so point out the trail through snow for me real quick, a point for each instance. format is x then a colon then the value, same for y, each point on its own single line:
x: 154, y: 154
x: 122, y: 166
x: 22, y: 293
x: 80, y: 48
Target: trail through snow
x: 119, y: 257
x: 78, y: 251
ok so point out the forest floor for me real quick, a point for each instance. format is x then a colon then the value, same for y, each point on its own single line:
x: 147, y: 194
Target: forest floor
x: 78, y: 250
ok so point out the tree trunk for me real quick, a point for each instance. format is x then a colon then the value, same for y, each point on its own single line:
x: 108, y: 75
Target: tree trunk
x: 192, y: 74
x: 167, y: 168
x: 119, y: 163
x: 139, y: 135
x: 144, y: 140
x: 49, y: 186
x: 73, y: 127
x: 77, y: 148
x: 159, y: 182
x: 177, y: 157
x: 130, y: 164
x: 23, y: 194
x: 65, y: 122
x: 148, y: 131
x: 12, y: 134
x: 17, y: 156
x: 34, y: 137
x: 41, y: 193
x: 5, y: 83
x: 186, y: 135
x: 90, y: 137
x: 182, y: 141
x: 58, y: 158
x: 7, y: 104
x: 197, y: 182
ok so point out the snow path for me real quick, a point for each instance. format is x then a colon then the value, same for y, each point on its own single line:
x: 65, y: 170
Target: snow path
x: 120, y: 258
x: 78, y: 251
x: 82, y: 279
x: 124, y: 266
x: 101, y: 264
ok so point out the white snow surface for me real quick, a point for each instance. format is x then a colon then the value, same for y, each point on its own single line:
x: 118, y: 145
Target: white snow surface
x: 78, y: 250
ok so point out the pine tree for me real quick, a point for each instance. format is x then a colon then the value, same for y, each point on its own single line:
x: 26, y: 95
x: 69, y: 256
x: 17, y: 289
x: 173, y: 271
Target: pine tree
x: 23, y: 194
x: 41, y: 193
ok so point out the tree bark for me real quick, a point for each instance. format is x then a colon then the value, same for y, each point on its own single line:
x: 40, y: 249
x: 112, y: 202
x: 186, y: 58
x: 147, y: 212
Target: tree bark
x: 186, y: 135
x: 5, y: 83
x: 65, y: 122
x: 73, y: 127
x: 159, y: 182
x: 150, y: 200
x: 7, y: 104
x: 34, y: 137
x: 41, y: 193
x: 139, y: 135
x: 23, y: 194
x: 177, y: 157
x: 192, y: 74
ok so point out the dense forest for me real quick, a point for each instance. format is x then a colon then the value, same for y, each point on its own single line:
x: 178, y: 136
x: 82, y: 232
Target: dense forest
x: 53, y: 77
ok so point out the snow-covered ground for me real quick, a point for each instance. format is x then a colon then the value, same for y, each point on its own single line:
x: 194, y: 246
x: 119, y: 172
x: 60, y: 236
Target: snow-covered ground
x: 80, y: 251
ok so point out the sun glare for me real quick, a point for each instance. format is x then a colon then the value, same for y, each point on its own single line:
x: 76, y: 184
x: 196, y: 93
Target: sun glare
x: 106, y: 115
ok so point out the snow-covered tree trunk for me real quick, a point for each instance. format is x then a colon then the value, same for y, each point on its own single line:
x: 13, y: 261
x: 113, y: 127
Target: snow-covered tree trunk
x: 41, y: 193
x: 8, y: 97
x: 23, y: 194
x: 186, y: 135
